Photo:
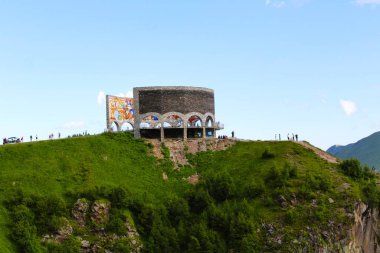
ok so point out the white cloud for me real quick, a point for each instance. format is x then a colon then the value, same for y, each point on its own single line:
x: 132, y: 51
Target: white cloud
x: 74, y: 125
x: 364, y: 2
x: 101, y: 97
x: 349, y: 107
x: 275, y: 3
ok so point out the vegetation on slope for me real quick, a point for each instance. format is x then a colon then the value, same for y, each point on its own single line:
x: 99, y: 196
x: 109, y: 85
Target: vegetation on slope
x: 365, y: 150
x: 253, y: 197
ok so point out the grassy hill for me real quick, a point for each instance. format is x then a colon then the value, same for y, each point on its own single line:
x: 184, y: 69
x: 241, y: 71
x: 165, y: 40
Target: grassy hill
x: 248, y: 196
x: 365, y: 150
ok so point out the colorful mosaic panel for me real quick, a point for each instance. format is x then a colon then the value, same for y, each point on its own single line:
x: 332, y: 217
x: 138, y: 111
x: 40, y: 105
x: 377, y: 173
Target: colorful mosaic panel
x: 120, y: 109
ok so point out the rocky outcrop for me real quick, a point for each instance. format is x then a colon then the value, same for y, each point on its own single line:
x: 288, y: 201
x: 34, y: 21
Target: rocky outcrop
x: 179, y: 148
x: 64, y: 232
x: 79, y: 211
x: 89, y: 225
x: 133, y: 238
x: 100, y: 213
x: 365, y: 232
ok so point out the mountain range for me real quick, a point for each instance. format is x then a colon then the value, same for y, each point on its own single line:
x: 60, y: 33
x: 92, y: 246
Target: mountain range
x: 366, y: 150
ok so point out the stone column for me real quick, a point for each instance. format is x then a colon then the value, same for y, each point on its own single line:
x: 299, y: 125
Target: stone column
x: 185, y: 133
x: 204, y: 132
x: 162, y: 134
x: 136, y: 116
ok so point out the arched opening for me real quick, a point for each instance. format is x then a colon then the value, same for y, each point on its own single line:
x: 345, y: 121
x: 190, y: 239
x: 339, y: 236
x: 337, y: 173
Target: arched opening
x: 173, y: 121
x: 210, y: 128
x: 173, y: 127
x: 149, y: 121
x: 114, y: 127
x: 150, y: 127
x: 209, y: 122
x: 127, y: 127
x: 194, y: 127
x: 194, y: 121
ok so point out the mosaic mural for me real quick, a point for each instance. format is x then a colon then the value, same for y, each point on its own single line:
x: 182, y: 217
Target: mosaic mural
x: 120, y: 109
x: 150, y: 122
x: 173, y: 121
x: 194, y: 121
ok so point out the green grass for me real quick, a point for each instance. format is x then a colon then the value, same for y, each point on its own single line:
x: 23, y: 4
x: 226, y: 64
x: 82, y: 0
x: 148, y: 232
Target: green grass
x: 65, y: 167
x: 78, y: 164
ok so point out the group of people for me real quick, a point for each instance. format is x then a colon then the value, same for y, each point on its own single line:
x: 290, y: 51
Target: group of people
x: 31, y: 138
x: 223, y: 137
x: 51, y: 136
x: 293, y: 137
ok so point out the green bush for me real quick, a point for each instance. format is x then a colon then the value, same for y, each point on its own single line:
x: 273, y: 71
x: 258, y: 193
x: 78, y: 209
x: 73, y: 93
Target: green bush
x: 178, y: 210
x: 352, y: 168
x: 371, y: 193
x: 254, y: 189
x: 277, y: 178
x: 220, y: 186
x: 116, y: 223
x: 119, y: 197
x: 267, y: 154
x: 198, y: 200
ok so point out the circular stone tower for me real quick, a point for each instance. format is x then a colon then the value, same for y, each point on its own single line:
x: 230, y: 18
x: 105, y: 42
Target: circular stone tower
x: 174, y: 112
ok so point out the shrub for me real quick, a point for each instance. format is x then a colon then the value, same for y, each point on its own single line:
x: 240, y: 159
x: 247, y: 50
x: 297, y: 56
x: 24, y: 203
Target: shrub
x: 165, y: 151
x: 122, y: 246
x: 267, y: 154
x: 116, y: 223
x: 277, y: 178
x: 177, y: 209
x: 254, y: 190
x: 352, y: 168
x: 198, y: 200
x: 119, y: 197
x: 371, y: 194
x: 220, y: 186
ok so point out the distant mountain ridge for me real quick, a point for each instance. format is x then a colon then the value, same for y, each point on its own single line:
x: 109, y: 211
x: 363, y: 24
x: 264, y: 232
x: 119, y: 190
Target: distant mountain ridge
x: 366, y: 150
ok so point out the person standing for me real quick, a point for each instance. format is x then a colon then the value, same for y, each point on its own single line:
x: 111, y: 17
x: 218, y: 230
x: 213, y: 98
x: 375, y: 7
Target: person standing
x: 233, y: 134
x: 36, y: 137
x: 296, y: 137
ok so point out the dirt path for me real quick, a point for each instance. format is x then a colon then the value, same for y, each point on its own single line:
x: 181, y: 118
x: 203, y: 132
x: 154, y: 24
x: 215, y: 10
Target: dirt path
x: 319, y: 152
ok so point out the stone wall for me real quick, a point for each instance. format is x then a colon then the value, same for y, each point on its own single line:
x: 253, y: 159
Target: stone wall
x: 175, y: 99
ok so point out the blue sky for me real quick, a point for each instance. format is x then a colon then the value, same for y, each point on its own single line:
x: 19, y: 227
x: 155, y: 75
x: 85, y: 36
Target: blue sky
x: 277, y: 66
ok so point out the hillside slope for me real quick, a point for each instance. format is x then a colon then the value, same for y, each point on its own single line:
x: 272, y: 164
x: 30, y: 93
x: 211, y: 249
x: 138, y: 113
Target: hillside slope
x: 365, y: 150
x: 109, y: 192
